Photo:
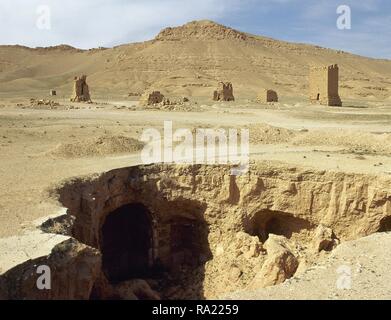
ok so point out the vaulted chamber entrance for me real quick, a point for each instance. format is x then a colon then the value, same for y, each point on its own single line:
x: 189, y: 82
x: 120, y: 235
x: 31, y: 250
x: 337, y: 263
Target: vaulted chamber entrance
x: 385, y: 224
x: 126, y: 243
x: 268, y: 222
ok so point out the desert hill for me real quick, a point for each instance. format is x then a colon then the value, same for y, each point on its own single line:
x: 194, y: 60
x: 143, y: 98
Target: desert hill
x: 189, y: 60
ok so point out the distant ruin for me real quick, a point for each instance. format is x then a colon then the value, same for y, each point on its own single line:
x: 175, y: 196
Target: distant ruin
x: 81, y: 92
x: 267, y: 95
x: 324, y: 85
x: 151, y: 98
x: 224, y: 92
x: 53, y: 92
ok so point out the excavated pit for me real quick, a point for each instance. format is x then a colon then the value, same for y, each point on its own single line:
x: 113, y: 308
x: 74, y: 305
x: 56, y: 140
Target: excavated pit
x: 196, y: 232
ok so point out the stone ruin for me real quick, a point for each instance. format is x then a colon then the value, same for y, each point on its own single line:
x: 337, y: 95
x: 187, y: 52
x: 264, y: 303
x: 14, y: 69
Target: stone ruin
x: 81, y: 92
x: 224, y: 92
x: 267, y: 95
x: 324, y: 85
x: 53, y: 92
x: 151, y: 98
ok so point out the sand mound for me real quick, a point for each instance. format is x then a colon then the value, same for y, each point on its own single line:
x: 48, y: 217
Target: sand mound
x: 97, y: 147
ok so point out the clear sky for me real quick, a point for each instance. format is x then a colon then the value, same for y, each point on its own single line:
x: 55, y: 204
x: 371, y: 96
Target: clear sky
x: 93, y: 23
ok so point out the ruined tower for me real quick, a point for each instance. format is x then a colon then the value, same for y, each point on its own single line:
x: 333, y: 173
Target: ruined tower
x: 267, y: 95
x: 81, y: 91
x: 151, y: 98
x: 324, y: 85
x: 224, y: 92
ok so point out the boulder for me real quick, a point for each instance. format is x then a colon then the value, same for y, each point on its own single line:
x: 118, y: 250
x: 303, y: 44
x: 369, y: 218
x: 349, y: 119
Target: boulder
x: 74, y: 267
x: 279, y: 266
x: 250, y: 246
x: 324, y: 239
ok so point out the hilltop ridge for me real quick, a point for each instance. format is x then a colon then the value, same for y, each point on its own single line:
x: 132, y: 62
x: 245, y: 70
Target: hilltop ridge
x: 201, y: 29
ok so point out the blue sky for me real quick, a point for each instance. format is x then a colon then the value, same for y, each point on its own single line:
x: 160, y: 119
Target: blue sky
x: 93, y: 23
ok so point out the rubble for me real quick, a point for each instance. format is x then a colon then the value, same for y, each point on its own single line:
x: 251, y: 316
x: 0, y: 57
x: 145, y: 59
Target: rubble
x: 152, y: 97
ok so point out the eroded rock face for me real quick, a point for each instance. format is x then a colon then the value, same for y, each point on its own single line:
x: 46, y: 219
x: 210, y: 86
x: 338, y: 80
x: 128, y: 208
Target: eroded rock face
x: 74, y: 268
x: 279, y: 266
x: 197, y: 30
x: 324, y: 239
x: 250, y: 246
x: 201, y: 220
x: 289, y: 201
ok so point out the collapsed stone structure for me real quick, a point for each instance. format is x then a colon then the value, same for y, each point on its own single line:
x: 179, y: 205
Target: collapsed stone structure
x: 81, y: 91
x: 44, y: 103
x: 224, y: 92
x: 267, y: 95
x: 151, y: 98
x: 324, y: 85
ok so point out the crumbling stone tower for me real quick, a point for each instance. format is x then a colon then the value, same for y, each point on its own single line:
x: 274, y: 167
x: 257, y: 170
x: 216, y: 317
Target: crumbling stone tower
x: 81, y: 92
x: 267, y: 95
x: 151, y: 98
x: 324, y: 85
x: 224, y: 92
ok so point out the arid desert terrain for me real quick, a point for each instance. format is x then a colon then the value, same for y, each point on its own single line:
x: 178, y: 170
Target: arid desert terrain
x: 314, y: 206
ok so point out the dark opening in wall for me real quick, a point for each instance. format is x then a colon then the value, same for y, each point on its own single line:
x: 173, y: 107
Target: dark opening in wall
x: 268, y: 222
x: 188, y: 242
x: 126, y: 243
x: 385, y: 224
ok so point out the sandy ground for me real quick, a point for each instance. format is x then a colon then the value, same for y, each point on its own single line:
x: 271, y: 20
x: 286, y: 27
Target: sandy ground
x: 340, y: 139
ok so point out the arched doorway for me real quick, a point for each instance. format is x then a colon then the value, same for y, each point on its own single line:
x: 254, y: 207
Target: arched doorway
x: 126, y: 243
x: 266, y: 222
